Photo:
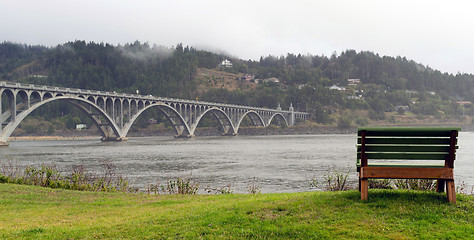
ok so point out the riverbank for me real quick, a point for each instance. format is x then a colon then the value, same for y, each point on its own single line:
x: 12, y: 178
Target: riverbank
x: 205, y: 131
x: 30, y: 212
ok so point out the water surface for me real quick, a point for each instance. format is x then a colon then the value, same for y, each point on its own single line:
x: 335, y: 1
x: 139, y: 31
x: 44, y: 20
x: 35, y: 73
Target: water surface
x: 274, y: 163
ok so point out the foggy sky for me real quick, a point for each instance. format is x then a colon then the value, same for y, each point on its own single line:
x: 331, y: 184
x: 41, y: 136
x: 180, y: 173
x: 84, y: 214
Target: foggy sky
x: 435, y: 33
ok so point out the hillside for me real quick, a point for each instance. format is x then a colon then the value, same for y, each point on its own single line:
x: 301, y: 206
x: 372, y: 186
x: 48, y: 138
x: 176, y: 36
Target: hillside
x: 350, y: 88
x: 212, y: 78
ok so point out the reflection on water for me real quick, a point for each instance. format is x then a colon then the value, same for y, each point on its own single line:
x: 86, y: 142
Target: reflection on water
x: 279, y: 163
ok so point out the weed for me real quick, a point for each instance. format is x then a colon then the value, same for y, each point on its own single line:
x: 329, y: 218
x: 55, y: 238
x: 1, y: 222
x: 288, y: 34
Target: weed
x: 380, y: 184
x: 180, y: 186
x: 253, y: 187
x: 50, y: 176
x: 45, y: 176
x: 224, y: 190
x: 416, y: 184
x: 153, y: 188
x: 464, y: 189
x: 313, y: 183
x: 10, y: 170
x: 336, y: 181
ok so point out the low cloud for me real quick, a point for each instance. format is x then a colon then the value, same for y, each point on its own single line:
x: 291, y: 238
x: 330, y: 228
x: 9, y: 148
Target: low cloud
x: 143, y: 52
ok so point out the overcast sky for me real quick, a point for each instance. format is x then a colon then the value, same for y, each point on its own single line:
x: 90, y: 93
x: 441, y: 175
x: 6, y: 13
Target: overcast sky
x: 435, y: 33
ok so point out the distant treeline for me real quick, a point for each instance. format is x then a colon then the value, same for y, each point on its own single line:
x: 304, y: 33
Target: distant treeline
x: 304, y: 79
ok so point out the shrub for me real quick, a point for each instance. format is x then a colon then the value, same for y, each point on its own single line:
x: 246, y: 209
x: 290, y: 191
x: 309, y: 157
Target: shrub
x: 336, y: 181
x: 380, y: 184
x: 344, y: 122
x: 253, y: 187
x: 416, y: 184
x: 49, y: 176
x: 376, y: 115
x: 180, y: 186
x: 361, y: 122
x: 392, y: 119
x: 224, y: 190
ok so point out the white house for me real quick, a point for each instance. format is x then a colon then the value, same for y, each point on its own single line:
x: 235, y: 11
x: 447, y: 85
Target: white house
x: 81, y: 126
x: 353, y: 82
x: 226, y: 63
x: 334, y: 87
x: 273, y: 79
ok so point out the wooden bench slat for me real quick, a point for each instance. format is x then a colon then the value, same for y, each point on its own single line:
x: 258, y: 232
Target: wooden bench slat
x: 404, y: 173
x: 392, y: 164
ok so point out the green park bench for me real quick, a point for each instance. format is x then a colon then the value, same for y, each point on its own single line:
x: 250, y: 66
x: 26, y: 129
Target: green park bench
x: 407, y: 153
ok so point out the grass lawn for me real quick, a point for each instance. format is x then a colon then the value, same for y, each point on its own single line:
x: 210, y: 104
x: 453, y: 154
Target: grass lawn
x: 31, y: 212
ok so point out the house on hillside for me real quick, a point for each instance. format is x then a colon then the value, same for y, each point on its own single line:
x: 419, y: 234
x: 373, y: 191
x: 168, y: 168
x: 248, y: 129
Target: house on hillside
x: 462, y: 103
x: 402, y: 108
x: 81, y: 126
x: 226, y: 64
x: 353, y: 82
x: 334, y: 87
x: 37, y: 76
x: 273, y: 80
x: 247, y: 78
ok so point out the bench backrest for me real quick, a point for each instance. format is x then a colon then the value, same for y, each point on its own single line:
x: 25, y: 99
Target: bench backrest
x: 407, y: 143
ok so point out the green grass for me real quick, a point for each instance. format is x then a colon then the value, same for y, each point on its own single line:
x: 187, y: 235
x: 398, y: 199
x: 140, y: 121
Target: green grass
x: 31, y: 212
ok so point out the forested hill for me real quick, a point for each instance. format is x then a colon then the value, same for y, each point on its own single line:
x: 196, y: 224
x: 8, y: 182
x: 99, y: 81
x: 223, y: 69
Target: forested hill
x: 303, y: 80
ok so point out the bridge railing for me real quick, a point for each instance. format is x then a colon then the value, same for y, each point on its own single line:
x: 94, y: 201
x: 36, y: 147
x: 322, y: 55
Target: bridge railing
x: 135, y: 96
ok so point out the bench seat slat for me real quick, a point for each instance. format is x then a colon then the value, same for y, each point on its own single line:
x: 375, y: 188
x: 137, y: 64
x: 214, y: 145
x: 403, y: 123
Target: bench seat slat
x: 403, y: 172
x: 408, y: 165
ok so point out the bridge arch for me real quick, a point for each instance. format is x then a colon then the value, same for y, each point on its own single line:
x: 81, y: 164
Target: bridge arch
x: 10, y: 104
x: 47, y: 95
x: 12, y: 125
x: 179, y: 124
x: 277, y: 116
x: 35, y: 97
x: 256, y: 119
x: 221, y: 116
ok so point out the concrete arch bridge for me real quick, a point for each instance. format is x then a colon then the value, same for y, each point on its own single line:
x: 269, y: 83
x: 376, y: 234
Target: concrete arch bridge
x: 115, y: 113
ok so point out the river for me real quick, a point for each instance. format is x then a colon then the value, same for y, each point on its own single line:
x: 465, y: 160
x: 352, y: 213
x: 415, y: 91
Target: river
x: 271, y: 163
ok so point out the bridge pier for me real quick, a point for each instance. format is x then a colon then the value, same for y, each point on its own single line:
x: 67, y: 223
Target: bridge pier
x: 114, y: 139
x: 230, y: 134
x: 183, y: 136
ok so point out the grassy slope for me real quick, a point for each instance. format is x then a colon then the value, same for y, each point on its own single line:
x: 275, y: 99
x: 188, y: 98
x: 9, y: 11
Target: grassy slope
x: 40, y: 213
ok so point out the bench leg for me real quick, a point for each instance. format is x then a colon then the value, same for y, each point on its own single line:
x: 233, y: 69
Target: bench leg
x: 364, y: 189
x: 451, y: 191
x: 359, y: 181
x: 440, y: 185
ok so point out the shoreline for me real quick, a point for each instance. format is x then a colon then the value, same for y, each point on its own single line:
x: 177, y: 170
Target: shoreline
x: 51, y: 138
x: 211, y: 131
x: 204, y: 132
